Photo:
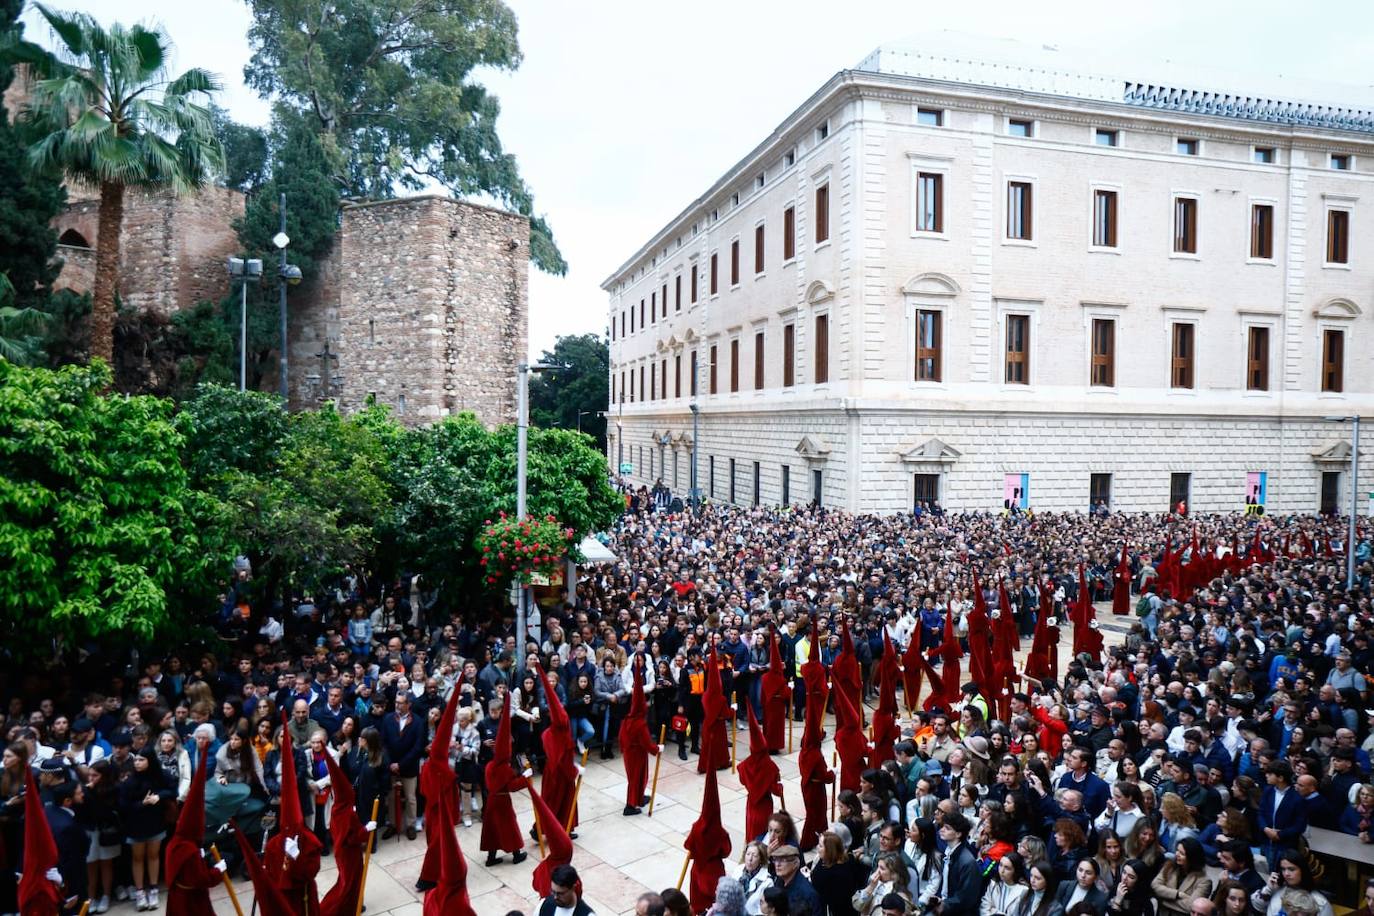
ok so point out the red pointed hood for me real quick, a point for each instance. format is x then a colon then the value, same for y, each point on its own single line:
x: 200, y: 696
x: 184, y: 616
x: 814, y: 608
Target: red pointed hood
x: 1006, y: 623
x: 708, y: 838
x: 1038, y: 662
x: 344, y: 797
x: 558, y: 715
x: 502, y: 751
x: 191, y: 820
x: 269, y: 899
x: 559, y: 844
x: 774, y: 652
x: 443, y: 739
x: 912, y: 670
x: 846, y: 716
x: 758, y: 744
x: 292, y: 819
x: 36, y: 893
x: 813, y: 654
x: 846, y: 640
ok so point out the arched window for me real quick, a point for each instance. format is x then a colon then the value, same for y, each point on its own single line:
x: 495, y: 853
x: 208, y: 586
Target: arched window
x: 73, y: 238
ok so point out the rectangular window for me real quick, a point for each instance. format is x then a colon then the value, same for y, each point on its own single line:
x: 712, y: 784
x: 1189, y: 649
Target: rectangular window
x: 925, y: 488
x: 1185, y: 225
x: 653, y: 306
x: 758, y: 496
x: 1257, y: 360
x: 789, y: 233
x: 663, y: 374
x: 653, y: 382
x: 622, y: 385
x: 758, y: 249
x: 715, y: 273
x: 692, y: 287
x: 692, y: 385
x: 789, y: 158
x: 1100, y: 491
x: 711, y: 476
x: 732, y: 481
x: 622, y: 321
x: 665, y: 299
x: 930, y: 202
x: 1103, y: 369
x: 1018, y: 350
x: 758, y: 361
x: 930, y: 117
x: 734, y: 365
x: 927, y: 346
x: 1333, y: 360
x: 1340, y: 162
x: 1019, y: 127
x: 677, y: 375
x: 1104, y: 219
x: 786, y: 485
x: 823, y: 131
x: 1105, y: 137
x: 641, y: 314
x: 822, y: 349
x: 789, y: 355
x: 1264, y: 154
x: 677, y: 293
x: 1179, y: 487
x: 817, y: 479
x: 612, y: 327
x: 822, y: 213
x: 632, y: 383
x: 1262, y: 231
x: 1337, y: 236
x: 1019, y: 211
x: 713, y: 369
x: 1331, y: 492
x: 643, y: 392
x: 1183, y: 353
x: 734, y: 263
x: 1186, y: 146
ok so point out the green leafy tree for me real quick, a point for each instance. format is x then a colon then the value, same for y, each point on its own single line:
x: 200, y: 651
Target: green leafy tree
x: 456, y: 476
x: 245, y: 151
x: 101, y: 533
x: 21, y: 329
x: 390, y: 82
x: 557, y: 398
x: 112, y: 119
x: 28, y: 200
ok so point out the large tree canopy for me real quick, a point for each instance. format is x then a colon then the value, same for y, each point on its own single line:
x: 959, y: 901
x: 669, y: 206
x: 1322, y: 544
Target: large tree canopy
x: 576, y: 395
x: 390, y: 81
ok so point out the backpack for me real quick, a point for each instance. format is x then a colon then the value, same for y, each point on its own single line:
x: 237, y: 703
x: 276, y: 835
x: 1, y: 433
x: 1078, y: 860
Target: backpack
x: 1144, y: 606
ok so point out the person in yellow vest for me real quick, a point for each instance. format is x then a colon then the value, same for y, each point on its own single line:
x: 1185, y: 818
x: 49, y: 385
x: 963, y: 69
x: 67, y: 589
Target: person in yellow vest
x: 691, y: 687
x: 973, y: 699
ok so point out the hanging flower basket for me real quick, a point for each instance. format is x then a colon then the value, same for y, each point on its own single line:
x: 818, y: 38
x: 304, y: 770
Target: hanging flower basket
x: 514, y: 549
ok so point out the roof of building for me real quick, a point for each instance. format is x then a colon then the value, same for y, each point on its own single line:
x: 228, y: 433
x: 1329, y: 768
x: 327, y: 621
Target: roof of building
x: 1158, y: 84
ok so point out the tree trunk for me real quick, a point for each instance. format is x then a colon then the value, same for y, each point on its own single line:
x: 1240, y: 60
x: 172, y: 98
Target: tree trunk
x: 106, y: 271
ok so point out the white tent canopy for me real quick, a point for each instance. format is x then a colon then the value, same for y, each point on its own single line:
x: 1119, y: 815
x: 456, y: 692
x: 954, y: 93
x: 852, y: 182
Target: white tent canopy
x: 595, y: 551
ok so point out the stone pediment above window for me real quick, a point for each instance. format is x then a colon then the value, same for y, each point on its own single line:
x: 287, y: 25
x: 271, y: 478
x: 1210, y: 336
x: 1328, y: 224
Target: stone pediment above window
x: 1337, y: 308
x: 813, y: 448
x: 691, y: 336
x: 930, y: 452
x: 1336, y: 455
x: 661, y: 437
x: 931, y: 285
x: 661, y: 346
x: 683, y: 440
x: 819, y: 291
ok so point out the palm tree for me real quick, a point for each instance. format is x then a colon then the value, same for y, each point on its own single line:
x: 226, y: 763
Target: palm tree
x: 113, y: 121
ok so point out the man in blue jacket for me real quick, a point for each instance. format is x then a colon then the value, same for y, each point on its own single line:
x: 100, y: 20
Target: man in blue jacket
x: 403, y: 736
x: 1282, y: 818
x: 963, y: 879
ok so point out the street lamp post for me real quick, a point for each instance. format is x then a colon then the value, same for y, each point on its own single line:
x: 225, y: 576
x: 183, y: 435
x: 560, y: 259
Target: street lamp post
x: 695, y: 495
x: 522, y: 422
x: 1354, y: 495
x: 289, y: 275
x: 580, y: 415
x: 245, y: 271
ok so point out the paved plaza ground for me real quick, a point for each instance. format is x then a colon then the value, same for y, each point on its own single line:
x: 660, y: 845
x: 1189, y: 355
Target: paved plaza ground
x: 617, y: 857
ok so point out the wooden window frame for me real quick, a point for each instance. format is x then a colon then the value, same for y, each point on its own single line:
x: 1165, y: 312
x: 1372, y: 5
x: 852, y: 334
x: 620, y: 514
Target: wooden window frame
x: 734, y: 263
x: 822, y: 342
x: 692, y: 286
x: 789, y: 233
x: 1337, y: 236
x: 1017, y: 362
x: 677, y: 293
x: 1024, y: 209
x: 734, y: 365
x: 933, y: 354
x: 695, y: 369
x: 1183, y: 365
x: 789, y: 354
x: 928, y: 185
x: 665, y: 299
x: 1262, y: 231
x: 714, y: 370
x: 1333, y: 361
x: 760, y: 367
x: 1104, y: 217
x: 677, y: 375
x: 715, y: 273
x: 1257, y: 357
x: 1102, y: 353
x: 1185, y: 224
x: 823, y: 213
x: 760, y: 249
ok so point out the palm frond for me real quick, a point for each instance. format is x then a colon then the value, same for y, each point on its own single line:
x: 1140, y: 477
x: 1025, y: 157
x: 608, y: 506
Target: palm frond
x: 150, y: 47
x: 72, y: 29
x: 194, y: 80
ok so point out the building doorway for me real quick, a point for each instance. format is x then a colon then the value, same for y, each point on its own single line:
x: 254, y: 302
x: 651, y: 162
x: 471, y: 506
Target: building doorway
x: 925, y: 489
x: 1331, y: 493
x: 1179, y: 487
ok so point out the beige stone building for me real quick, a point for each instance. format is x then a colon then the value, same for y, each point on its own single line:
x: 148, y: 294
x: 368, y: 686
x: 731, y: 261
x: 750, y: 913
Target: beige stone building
x: 979, y: 281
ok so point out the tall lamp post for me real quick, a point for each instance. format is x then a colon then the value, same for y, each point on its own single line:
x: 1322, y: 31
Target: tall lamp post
x: 580, y: 415
x: 695, y: 495
x: 520, y: 596
x: 1354, y: 494
x: 290, y: 275
x: 245, y: 271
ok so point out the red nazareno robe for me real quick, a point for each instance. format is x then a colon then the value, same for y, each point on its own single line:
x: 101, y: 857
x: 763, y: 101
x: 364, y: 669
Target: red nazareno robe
x: 715, y: 741
x: 761, y: 779
x: 776, y: 697
x: 500, y: 829
x: 295, y: 878
x: 559, y: 782
x: 438, y: 783
x: 350, y: 842
x: 189, y: 875
x: 636, y: 745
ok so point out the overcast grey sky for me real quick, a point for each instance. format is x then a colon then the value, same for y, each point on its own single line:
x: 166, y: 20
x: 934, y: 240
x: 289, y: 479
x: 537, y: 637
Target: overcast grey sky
x: 623, y: 111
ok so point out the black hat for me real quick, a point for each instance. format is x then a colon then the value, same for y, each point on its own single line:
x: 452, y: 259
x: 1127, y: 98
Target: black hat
x: 82, y: 725
x: 121, y: 739
x: 1183, y: 760
x: 51, y: 765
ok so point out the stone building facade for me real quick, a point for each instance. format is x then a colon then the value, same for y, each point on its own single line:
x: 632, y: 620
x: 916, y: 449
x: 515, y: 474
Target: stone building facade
x: 977, y: 281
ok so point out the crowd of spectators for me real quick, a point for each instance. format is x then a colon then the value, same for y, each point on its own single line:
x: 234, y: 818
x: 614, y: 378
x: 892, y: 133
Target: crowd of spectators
x: 1230, y: 718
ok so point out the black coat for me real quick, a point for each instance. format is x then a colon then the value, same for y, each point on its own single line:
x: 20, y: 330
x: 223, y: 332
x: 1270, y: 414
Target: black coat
x: 137, y: 820
x: 72, y: 845
x: 404, y: 746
